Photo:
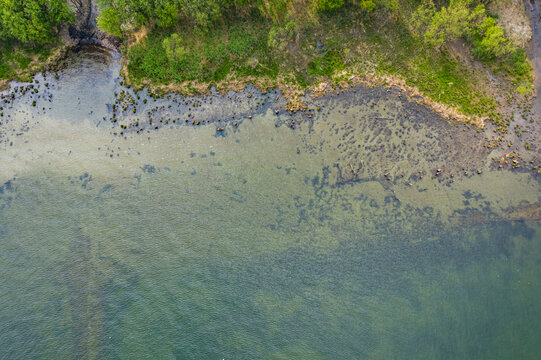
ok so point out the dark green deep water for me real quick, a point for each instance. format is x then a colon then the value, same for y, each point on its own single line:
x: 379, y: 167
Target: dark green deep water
x: 259, y: 244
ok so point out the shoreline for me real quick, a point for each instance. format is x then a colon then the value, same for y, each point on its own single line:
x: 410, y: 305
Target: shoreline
x: 437, y: 153
x: 296, y: 96
x: 51, y: 64
x: 350, y: 74
x: 292, y: 100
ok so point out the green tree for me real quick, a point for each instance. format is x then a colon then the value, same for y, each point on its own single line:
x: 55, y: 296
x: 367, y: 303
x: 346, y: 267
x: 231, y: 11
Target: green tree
x: 109, y: 21
x: 173, y: 48
x: 32, y: 20
x: 118, y: 14
x: 167, y: 14
x: 133, y: 13
x: 490, y: 41
x: 449, y: 23
x: 422, y: 17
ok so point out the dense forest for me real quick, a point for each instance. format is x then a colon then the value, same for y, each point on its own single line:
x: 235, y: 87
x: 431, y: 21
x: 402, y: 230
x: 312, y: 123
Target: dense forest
x: 32, y: 21
x: 29, y: 35
x: 296, y: 41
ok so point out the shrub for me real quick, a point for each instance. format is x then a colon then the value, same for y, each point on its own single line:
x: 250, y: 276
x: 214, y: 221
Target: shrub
x: 520, y: 62
x: 167, y: 14
x: 326, y: 65
x: 173, y: 48
x: 329, y: 5
x: 448, y: 24
x: 148, y: 60
x: 109, y: 21
x: 367, y: 5
x: 216, y: 54
x: 241, y: 42
x: 490, y: 41
x: 279, y: 36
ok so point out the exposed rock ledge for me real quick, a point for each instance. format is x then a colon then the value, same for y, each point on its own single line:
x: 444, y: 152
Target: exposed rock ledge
x: 84, y: 30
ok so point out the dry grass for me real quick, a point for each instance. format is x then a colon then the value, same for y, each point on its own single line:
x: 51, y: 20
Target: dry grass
x: 512, y: 17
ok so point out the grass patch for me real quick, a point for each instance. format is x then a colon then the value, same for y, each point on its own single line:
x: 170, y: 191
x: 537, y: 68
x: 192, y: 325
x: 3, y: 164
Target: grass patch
x: 327, y: 64
x: 20, y: 62
x: 234, y: 47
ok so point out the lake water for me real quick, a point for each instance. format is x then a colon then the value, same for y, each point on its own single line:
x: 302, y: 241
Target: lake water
x: 334, y: 239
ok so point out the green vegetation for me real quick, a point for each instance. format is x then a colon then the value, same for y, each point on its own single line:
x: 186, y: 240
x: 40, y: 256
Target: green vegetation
x: 28, y: 34
x: 329, y: 5
x: 211, y: 56
x: 20, y: 61
x: 32, y: 21
x: 301, y: 43
x: 470, y: 21
x: 298, y: 43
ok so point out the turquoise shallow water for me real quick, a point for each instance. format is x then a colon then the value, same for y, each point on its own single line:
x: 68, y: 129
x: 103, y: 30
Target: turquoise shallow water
x: 259, y: 243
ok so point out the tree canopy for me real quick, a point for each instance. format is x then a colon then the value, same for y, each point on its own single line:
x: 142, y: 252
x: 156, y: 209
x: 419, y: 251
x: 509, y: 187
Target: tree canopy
x: 125, y: 14
x: 32, y: 21
x: 462, y: 19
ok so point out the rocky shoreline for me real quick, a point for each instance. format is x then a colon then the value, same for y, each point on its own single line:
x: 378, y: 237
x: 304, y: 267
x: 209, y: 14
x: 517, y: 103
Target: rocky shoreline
x: 84, y: 30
